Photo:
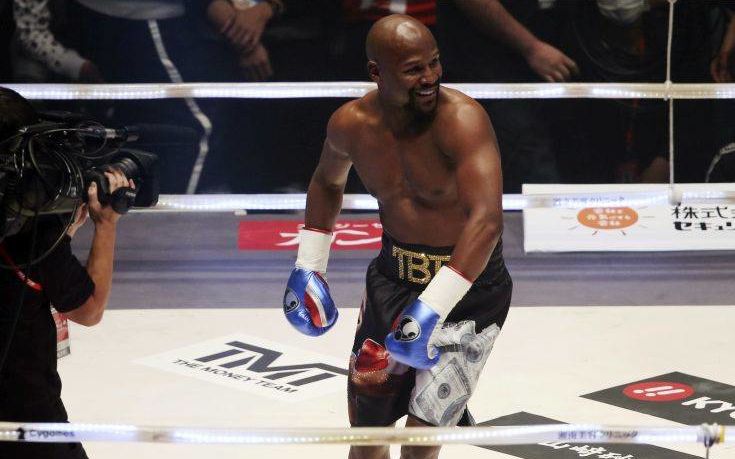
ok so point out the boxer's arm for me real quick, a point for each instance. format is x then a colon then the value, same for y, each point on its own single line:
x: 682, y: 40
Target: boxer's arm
x: 307, y: 303
x: 324, y: 196
x: 470, y: 139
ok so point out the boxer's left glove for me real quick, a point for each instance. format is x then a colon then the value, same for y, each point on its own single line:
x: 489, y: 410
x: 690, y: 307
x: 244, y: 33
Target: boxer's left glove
x: 307, y: 303
x: 412, y: 341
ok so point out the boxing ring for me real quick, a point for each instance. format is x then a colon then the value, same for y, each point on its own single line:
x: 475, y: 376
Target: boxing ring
x: 593, y: 341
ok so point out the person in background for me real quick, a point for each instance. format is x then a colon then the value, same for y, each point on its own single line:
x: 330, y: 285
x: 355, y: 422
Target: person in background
x: 40, y: 55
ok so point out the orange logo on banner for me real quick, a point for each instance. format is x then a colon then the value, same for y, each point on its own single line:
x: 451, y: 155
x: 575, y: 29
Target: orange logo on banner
x: 604, y: 218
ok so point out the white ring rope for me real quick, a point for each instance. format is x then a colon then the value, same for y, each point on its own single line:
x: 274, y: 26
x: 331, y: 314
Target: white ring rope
x: 358, y: 89
x: 707, y: 434
x: 364, y: 202
x: 568, y: 197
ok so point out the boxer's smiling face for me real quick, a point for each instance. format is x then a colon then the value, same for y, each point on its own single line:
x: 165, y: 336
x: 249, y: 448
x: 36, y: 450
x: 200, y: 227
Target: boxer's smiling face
x: 408, y: 71
x: 421, y: 76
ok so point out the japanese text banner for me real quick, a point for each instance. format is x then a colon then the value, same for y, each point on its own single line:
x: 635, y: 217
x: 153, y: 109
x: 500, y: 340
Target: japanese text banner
x: 654, y: 228
x: 284, y: 235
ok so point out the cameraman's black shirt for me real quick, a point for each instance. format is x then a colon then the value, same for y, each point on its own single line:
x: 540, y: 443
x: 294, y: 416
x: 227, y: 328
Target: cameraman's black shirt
x: 30, y: 388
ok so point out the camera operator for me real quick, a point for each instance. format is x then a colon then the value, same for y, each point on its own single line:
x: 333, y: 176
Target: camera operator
x: 30, y: 387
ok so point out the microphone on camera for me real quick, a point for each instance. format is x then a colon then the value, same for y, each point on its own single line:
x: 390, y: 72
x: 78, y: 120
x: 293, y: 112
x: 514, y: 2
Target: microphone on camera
x: 102, y: 133
x: 149, y: 134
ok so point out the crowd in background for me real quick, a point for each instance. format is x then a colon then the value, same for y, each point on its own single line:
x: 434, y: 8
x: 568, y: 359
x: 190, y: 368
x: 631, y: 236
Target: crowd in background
x: 272, y: 145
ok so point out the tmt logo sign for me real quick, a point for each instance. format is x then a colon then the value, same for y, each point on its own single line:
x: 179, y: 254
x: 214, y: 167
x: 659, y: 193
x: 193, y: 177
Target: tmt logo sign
x: 675, y: 396
x: 257, y: 366
x: 258, y: 360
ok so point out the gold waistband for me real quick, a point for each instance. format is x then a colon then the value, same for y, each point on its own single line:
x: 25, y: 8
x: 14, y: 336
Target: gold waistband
x: 415, y: 267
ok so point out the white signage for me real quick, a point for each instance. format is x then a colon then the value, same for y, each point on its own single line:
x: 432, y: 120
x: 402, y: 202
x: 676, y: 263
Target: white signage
x: 610, y: 227
x: 257, y: 366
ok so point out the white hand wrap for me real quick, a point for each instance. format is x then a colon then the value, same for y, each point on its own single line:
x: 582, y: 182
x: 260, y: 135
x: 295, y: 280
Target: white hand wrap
x: 445, y: 290
x: 313, y: 250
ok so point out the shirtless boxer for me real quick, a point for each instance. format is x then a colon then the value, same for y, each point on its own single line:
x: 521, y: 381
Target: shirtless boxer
x: 438, y: 292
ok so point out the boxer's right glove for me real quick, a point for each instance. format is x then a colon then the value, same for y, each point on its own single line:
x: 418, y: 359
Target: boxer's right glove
x: 307, y: 303
x: 412, y: 343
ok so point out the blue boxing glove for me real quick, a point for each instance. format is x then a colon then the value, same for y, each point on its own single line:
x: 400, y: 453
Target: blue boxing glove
x: 412, y: 341
x: 307, y: 304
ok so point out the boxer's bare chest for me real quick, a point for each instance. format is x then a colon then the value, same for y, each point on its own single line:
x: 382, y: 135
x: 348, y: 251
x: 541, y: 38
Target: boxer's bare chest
x: 409, y: 166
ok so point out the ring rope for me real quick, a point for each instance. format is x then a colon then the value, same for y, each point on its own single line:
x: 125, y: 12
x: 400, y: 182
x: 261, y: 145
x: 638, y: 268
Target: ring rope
x: 585, y: 196
x: 364, y: 202
x: 358, y: 89
x: 706, y: 434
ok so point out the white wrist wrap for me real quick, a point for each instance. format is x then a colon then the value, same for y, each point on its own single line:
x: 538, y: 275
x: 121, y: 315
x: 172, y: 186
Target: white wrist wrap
x: 313, y: 250
x: 445, y: 290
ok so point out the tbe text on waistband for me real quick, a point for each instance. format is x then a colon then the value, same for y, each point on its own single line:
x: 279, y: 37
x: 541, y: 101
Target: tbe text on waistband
x: 416, y: 267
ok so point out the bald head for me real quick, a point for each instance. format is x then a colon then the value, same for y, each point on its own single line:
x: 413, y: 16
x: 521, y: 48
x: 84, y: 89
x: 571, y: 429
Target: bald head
x: 395, y: 33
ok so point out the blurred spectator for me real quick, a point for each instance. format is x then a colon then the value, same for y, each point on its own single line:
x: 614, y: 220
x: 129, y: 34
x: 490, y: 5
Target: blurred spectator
x: 286, y: 140
x: 164, y: 41
x: 503, y: 40
x: 6, y: 32
x: 299, y: 41
x: 493, y: 41
x: 626, y: 140
x: 601, y: 40
x: 242, y: 23
x: 39, y: 54
x: 722, y: 164
x: 242, y: 165
x: 348, y: 48
x: 136, y: 42
x: 626, y: 41
x: 723, y: 65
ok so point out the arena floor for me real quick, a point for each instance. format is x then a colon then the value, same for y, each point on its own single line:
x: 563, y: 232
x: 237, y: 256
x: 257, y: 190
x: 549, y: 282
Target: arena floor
x: 584, y: 331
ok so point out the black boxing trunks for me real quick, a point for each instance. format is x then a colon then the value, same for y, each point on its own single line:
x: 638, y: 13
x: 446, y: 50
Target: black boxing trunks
x: 380, y: 390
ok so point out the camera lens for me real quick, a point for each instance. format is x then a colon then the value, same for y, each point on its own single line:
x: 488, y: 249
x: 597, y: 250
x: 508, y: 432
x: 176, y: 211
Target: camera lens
x: 127, y: 166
